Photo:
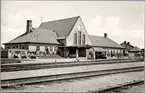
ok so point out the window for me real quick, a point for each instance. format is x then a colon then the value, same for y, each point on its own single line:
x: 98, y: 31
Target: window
x: 79, y: 38
x: 79, y: 27
x: 13, y: 46
x: 8, y: 47
x: 75, y: 38
x: 55, y: 48
x: 22, y: 47
x: 37, y: 48
x: 83, y: 39
x: 16, y: 46
x: 51, y: 48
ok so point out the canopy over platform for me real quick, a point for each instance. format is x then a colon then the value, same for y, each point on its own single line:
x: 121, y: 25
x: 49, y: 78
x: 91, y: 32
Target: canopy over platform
x: 97, y: 49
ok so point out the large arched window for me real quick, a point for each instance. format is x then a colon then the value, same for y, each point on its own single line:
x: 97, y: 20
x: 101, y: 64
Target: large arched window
x: 79, y: 37
x: 83, y: 39
x: 75, y: 38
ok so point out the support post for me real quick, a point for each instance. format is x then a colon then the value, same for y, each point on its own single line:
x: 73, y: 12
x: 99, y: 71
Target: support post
x: 86, y: 53
x: 77, y: 53
x: 94, y: 56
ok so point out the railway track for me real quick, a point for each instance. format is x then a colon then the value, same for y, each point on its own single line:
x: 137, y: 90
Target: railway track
x: 119, y: 87
x: 33, y: 66
x: 58, y: 77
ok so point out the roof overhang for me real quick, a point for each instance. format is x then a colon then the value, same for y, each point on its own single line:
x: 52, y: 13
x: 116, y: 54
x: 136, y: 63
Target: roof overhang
x: 97, y: 49
x: 78, y: 46
x: 108, y: 47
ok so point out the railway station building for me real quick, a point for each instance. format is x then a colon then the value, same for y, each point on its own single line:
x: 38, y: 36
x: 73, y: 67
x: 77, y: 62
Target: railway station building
x: 65, y: 37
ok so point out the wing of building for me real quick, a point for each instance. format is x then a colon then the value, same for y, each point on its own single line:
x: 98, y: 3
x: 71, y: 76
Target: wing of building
x: 67, y: 37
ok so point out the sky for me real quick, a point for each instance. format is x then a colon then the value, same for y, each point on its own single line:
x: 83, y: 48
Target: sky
x: 121, y: 20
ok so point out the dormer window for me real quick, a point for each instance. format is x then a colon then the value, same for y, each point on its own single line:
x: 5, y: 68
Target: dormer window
x: 79, y: 27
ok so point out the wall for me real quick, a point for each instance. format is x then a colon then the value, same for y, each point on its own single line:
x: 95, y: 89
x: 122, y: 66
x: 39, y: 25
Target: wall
x: 70, y: 38
x: 51, y: 48
x: 17, y: 46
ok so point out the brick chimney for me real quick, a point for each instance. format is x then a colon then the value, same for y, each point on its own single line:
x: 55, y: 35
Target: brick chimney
x: 105, y: 35
x: 128, y: 43
x: 125, y: 42
x: 29, y: 26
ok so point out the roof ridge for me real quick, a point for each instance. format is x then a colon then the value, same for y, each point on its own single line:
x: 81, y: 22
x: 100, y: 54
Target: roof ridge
x: 61, y: 19
x: 72, y: 26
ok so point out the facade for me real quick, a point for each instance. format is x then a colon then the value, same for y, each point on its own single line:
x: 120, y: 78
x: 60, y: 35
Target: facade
x: 72, y: 35
x: 135, y: 52
x: 38, y: 41
x: 103, y: 44
x: 127, y: 46
x: 66, y: 37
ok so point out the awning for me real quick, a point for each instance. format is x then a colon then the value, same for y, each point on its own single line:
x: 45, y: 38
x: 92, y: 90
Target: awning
x: 97, y: 49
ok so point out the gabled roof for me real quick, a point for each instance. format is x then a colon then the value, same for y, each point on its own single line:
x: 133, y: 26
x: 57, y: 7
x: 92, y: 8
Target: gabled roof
x: 135, y: 49
x: 100, y: 41
x: 63, y: 26
x: 126, y: 44
x: 37, y: 36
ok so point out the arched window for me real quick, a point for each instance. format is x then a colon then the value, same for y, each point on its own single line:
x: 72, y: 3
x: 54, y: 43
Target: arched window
x: 79, y: 27
x: 75, y: 38
x: 83, y: 39
x: 79, y: 38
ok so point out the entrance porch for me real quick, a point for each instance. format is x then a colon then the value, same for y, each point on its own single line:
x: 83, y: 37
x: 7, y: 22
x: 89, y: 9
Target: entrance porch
x: 74, y: 51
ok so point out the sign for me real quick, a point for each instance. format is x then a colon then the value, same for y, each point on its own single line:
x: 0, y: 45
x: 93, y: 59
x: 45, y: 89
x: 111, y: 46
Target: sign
x: 42, y: 48
x: 32, y: 48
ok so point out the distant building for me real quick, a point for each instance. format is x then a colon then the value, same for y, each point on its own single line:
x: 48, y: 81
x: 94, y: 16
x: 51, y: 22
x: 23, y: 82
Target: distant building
x: 135, y: 52
x: 36, y: 40
x: 127, y: 45
x: 67, y: 37
x: 103, y: 43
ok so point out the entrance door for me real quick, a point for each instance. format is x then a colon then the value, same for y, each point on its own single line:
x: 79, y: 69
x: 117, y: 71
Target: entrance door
x: 82, y: 52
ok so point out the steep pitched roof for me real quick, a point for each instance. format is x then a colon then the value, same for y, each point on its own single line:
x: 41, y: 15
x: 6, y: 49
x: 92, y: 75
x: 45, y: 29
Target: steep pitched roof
x: 62, y: 26
x: 37, y: 36
x: 100, y: 41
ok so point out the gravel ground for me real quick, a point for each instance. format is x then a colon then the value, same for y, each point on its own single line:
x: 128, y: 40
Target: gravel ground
x: 54, y: 71
x: 81, y: 85
x: 134, y: 89
x: 53, y: 60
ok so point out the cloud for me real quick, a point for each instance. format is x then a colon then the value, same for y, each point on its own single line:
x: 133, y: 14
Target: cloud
x: 111, y: 25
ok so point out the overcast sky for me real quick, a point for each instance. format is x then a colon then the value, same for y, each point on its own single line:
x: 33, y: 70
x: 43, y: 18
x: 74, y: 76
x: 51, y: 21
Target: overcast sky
x: 122, y: 20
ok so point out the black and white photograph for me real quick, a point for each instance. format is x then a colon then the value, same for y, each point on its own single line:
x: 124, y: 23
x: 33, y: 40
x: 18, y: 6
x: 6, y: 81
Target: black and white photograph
x: 72, y: 46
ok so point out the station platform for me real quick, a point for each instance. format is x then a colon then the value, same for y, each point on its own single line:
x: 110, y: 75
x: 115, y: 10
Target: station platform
x: 54, y: 71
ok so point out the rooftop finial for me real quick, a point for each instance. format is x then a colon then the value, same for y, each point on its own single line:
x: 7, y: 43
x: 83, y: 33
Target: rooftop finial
x: 41, y: 19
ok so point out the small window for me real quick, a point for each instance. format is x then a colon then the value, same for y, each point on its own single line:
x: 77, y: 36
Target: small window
x: 13, y: 46
x: 51, y: 48
x: 22, y: 47
x: 55, y: 48
x: 8, y: 47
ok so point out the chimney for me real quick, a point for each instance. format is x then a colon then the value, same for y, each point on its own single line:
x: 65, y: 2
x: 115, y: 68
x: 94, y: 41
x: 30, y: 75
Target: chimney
x: 125, y: 42
x: 105, y: 35
x: 128, y: 43
x: 29, y: 26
